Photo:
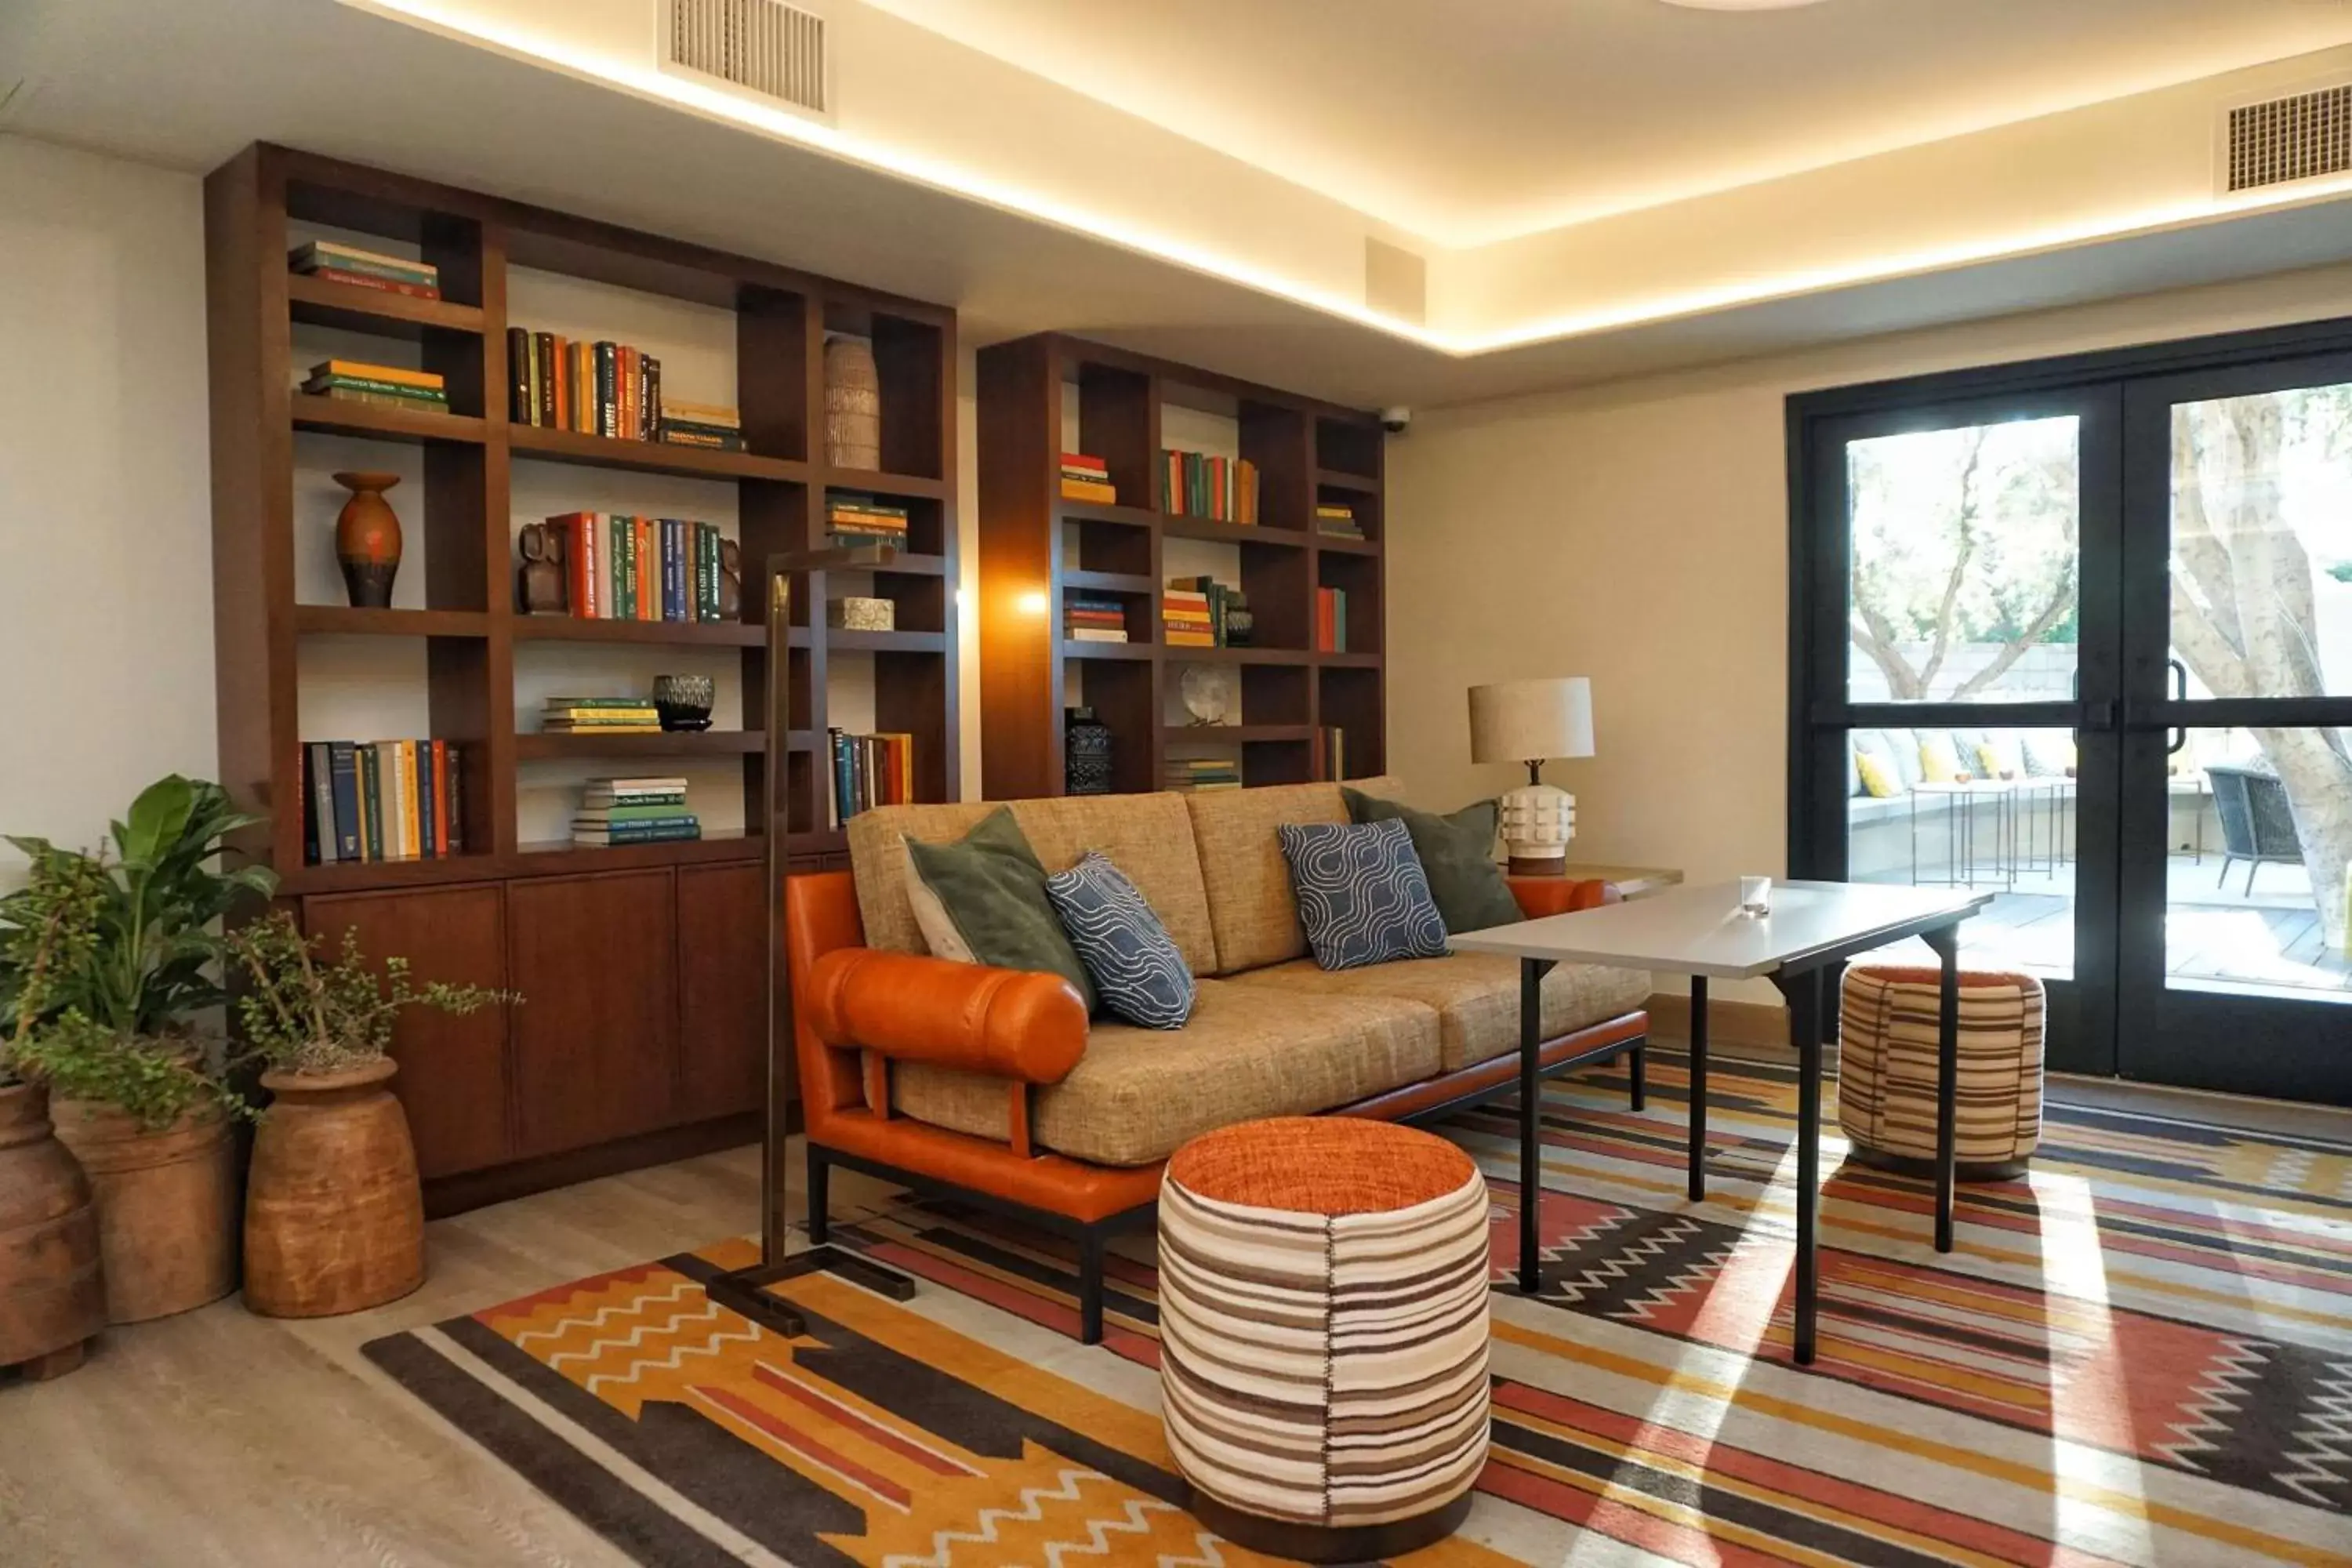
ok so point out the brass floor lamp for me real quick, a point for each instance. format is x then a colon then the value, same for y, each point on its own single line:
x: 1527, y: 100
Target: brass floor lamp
x: 745, y: 1291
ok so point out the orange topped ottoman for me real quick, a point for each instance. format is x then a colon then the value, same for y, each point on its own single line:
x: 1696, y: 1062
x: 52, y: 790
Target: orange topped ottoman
x: 1323, y: 1334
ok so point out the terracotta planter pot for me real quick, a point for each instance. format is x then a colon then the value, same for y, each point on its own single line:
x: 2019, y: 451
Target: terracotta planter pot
x: 52, y: 1296
x: 166, y: 1206
x: 334, y: 1218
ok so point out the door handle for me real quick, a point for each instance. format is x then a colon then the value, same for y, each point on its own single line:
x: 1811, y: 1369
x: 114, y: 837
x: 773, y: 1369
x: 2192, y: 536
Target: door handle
x: 2179, y: 694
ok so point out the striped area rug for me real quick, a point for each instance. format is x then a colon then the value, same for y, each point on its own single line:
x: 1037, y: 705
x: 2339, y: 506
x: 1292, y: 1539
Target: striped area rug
x: 2142, y: 1354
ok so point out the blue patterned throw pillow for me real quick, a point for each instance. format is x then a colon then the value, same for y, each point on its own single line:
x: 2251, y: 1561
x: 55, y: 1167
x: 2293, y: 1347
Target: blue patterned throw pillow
x: 1362, y: 893
x: 1137, y: 971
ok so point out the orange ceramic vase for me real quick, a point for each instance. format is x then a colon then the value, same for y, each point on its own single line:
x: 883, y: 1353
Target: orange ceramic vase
x: 367, y: 539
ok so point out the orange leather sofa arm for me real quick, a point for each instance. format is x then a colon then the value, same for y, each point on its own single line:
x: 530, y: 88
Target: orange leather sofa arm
x: 1541, y: 896
x: 1008, y: 1023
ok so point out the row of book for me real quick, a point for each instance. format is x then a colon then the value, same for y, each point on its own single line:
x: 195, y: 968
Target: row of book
x: 1198, y: 485
x: 600, y: 716
x: 339, y: 263
x: 1204, y: 605
x: 599, y: 389
x: 1327, y: 753
x: 1337, y: 520
x: 634, y: 811
x: 1194, y: 775
x: 379, y: 385
x: 1331, y: 620
x: 381, y: 800
x: 640, y: 568
x: 854, y: 518
x: 1087, y: 479
x: 1093, y: 617
x: 870, y: 771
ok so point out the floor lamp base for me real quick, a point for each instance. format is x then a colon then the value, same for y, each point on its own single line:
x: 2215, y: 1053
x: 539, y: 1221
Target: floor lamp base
x: 746, y: 1291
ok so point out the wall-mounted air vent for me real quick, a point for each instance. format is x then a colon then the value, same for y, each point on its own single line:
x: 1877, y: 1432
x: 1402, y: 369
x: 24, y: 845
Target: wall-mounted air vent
x: 2284, y: 138
x: 761, y: 45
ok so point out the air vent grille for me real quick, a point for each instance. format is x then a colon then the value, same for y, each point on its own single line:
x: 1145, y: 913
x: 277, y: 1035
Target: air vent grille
x: 761, y: 46
x: 2298, y: 138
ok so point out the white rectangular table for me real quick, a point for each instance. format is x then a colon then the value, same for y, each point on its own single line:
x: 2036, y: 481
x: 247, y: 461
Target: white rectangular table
x: 1701, y: 932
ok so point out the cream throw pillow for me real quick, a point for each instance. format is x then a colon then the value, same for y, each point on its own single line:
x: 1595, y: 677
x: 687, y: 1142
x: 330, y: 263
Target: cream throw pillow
x: 939, y: 933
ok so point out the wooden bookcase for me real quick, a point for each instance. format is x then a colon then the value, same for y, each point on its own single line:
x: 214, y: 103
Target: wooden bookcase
x: 1048, y: 393
x: 642, y: 1031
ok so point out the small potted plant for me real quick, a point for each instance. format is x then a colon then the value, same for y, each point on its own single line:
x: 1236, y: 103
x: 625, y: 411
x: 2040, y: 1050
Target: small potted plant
x: 335, y: 1216
x: 134, y: 1094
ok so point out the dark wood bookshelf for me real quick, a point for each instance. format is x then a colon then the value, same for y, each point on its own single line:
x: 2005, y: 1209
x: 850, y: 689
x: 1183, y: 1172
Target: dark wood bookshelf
x: 1037, y: 546
x: 643, y: 965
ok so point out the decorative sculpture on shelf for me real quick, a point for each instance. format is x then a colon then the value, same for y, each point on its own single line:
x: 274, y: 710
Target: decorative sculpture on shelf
x: 730, y: 580
x: 853, y: 405
x: 367, y: 540
x: 543, y: 586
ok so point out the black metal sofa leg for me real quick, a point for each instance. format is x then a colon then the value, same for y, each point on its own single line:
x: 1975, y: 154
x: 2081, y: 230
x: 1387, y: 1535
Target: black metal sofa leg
x: 1090, y: 1289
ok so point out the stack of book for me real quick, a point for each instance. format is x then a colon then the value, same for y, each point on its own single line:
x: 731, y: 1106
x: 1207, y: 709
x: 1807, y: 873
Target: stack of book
x: 1087, y: 479
x: 600, y: 716
x: 1230, y: 622
x: 1193, y: 775
x: 851, y: 518
x: 381, y: 800
x: 634, y: 811
x: 870, y: 771
x: 1198, y: 485
x: 640, y: 568
x: 598, y: 389
x: 339, y: 263
x: 1328, y: 758
x: 704, y: 425
x: 1093, y: 617
x: 379, y: 385
x: 1337, y: 520
x: 1185, y: 620
x: 1331, y: 620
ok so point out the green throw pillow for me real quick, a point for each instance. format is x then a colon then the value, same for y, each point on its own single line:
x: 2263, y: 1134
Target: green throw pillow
x: 993, y: 890
x: 1457, y: 856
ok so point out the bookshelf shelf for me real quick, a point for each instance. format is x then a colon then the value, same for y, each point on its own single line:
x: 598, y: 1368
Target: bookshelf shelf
x: 330, y: 416
x: 537, y: 441
x: 644, y: 965
x: 346, y: 620
x: 669, y: 634
x: 669, y: 743
x: 1045, y: 396
x: 317, y: 302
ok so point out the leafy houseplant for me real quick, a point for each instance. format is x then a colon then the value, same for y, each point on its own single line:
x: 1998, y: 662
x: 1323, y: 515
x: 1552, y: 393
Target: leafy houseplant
x: 105, y: 958
x: 335, y: 1216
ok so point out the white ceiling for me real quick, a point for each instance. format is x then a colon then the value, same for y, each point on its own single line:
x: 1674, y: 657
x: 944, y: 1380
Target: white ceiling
x: 1464, y: 122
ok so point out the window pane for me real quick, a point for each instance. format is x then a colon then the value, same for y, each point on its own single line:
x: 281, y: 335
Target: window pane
x: 2261, y: 829
x: 1964, y: 563
x: 1990, y: 809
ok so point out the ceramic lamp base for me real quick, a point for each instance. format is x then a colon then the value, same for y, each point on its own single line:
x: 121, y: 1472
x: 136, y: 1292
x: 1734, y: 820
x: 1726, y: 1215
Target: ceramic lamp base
x: 1536, y: 822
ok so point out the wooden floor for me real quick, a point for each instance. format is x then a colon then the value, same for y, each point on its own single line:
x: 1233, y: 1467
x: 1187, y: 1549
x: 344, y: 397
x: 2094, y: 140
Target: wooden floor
x: 222, y: 1438
x: 218, y: 1437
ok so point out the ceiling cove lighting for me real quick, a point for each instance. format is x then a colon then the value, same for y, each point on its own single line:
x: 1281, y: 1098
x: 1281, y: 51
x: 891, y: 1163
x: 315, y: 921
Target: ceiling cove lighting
x: 1741, y: 4
x: 452, y: 19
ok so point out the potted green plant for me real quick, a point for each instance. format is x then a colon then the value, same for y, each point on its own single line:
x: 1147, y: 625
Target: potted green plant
x: 139, y: 1099
x: 335, y: 1216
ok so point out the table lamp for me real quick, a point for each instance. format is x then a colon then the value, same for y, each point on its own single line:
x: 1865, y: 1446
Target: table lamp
x: 1530, y: 721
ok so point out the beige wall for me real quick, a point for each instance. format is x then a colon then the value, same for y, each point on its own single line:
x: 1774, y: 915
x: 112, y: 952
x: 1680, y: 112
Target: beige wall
x: 1637, y: 533
x: 105, y: 507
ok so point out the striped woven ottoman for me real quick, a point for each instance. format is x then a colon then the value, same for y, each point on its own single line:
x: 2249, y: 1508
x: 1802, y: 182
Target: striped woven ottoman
x: 1323, y: 1334
x: 1887, y: 1020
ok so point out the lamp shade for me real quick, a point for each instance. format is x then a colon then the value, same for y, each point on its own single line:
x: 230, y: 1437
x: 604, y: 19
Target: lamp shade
x: 1530, y: 720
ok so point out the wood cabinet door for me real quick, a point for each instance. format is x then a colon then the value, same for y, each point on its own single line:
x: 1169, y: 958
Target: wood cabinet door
x: 596, y: 1035
x: 722, y: 973
x: 454, y: 1080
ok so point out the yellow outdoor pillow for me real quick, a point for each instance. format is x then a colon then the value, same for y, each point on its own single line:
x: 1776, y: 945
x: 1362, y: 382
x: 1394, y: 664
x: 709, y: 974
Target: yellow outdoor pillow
x: 1938, y: 761
x: 1877, y: 779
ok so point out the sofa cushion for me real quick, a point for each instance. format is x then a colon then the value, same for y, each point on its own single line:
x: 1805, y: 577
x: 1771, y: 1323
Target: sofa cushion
x: 1137, y: 1095
x: 993, y: 891
x: 1250, y: 903
x: 1475, y: 995
x: 1148, y: 836
x: 1457, y: 854
x: 1362, y: 896
x: 1138, y: 974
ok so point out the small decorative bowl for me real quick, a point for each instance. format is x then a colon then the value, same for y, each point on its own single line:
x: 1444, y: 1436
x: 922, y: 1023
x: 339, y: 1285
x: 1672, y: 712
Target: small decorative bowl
x: 683, y: 701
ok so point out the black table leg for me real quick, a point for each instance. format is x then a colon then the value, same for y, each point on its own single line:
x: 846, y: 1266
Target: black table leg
x: 1531, y: 973
x: 1803, y: 993
x: 1698, y: 1087
x: 1947, y: 944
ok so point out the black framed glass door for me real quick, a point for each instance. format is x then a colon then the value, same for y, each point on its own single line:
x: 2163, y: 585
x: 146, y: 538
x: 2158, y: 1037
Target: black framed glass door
x: 2079, y: 632
x: 2235, y: 963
